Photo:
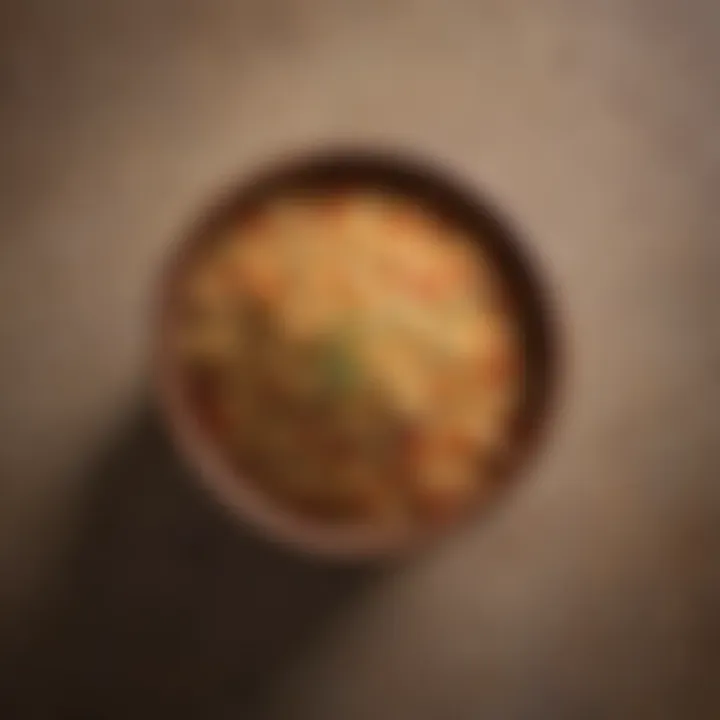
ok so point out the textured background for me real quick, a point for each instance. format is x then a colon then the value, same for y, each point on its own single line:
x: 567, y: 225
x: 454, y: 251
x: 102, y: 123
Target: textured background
x: 593, y: 592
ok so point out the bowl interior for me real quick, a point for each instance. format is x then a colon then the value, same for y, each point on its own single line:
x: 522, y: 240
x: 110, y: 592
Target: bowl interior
x: 334, y: 172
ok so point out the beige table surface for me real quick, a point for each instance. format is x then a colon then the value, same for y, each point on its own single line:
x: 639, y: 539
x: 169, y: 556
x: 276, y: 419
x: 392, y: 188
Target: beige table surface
x: 593, y: 592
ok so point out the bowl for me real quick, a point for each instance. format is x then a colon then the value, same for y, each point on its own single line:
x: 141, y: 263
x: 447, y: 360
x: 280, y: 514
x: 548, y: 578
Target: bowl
x: 337, y: 170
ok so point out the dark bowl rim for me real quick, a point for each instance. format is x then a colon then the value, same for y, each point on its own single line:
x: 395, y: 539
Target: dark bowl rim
x: 461, y: 202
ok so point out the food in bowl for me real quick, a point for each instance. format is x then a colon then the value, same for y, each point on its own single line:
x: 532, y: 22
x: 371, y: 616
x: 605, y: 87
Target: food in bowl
x: 355, y: 354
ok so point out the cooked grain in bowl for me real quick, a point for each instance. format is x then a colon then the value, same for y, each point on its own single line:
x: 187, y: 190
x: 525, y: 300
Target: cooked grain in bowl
x: 354, y: 354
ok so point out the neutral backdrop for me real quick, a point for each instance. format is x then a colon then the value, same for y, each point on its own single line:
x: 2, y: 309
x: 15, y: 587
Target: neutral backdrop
x: 593, y: 591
